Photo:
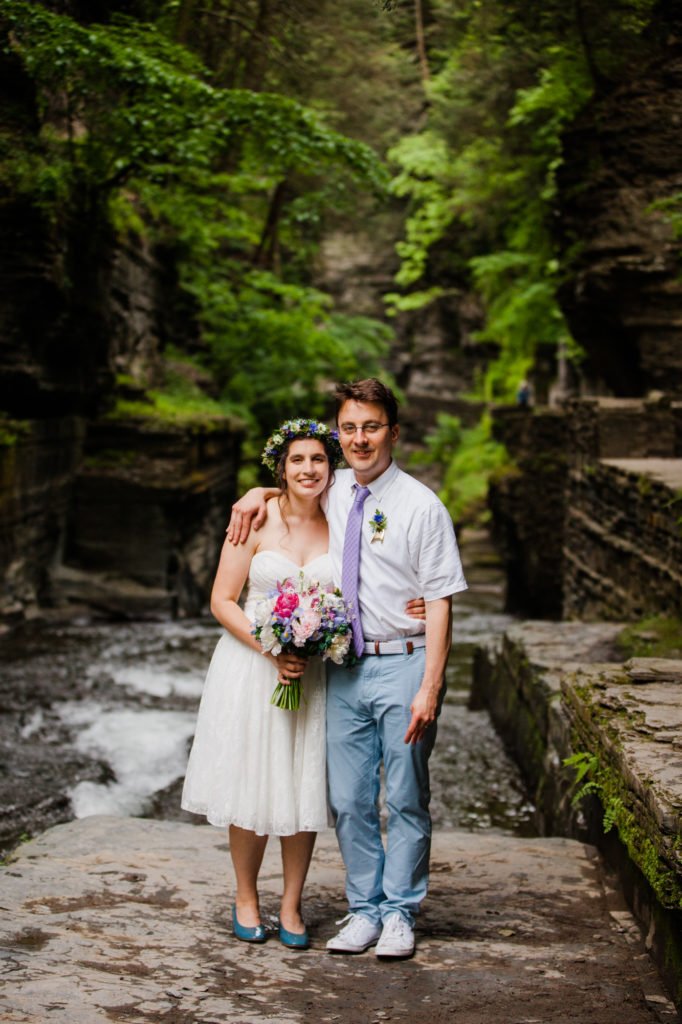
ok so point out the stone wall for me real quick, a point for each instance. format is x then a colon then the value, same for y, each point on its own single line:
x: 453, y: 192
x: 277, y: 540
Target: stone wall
x: 606, y: 428
x: 587, y: 516
x: 561, y: 690
x: 623, y: 539
x: 527, y: 502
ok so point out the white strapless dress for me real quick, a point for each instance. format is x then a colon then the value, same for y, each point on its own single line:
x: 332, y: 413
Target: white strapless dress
x: 254, y: 765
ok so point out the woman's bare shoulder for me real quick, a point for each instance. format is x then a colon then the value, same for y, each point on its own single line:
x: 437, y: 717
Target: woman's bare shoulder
x: 270, y: 532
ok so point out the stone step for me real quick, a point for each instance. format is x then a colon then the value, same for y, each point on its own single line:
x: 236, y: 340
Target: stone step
x: 114, y: 919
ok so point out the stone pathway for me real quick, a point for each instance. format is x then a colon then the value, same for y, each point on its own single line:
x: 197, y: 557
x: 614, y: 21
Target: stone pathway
x: 115, y: 919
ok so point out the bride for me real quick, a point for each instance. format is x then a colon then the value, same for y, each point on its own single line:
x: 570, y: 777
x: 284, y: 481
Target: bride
x: 257, y: 768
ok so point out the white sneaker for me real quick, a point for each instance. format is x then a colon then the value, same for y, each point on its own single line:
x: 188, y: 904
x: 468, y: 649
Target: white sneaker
x: 356, y: 936
x: 397, y: 938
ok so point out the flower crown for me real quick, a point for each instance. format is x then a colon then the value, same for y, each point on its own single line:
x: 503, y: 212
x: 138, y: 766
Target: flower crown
x: 299, y: 429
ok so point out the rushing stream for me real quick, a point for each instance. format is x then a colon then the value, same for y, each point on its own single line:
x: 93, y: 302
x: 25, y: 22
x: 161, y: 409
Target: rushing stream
x: 97, y: 719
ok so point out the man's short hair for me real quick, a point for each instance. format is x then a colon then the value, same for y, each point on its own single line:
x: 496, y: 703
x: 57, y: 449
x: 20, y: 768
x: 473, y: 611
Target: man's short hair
x: 369, y: 390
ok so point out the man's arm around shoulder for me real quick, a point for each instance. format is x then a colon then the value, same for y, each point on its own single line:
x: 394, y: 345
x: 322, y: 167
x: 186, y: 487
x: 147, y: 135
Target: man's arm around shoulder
x: 250, y: 511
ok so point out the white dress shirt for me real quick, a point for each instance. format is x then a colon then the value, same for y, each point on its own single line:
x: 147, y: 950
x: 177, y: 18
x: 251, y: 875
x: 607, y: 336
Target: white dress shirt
x: 418, y: 556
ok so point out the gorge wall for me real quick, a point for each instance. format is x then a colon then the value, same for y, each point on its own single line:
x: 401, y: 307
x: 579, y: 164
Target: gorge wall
x: 433, y: 357
x: 622, y: 158
x: 588, y: 515
x: 98, y: 509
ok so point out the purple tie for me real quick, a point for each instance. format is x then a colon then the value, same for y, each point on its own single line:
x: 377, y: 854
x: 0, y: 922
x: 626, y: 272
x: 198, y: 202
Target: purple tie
x: 350, y: 568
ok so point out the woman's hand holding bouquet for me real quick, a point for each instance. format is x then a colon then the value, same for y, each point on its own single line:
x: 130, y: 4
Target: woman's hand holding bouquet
x: 302, y: 619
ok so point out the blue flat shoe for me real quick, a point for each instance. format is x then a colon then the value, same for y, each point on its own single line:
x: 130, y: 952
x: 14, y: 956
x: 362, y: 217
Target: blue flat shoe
x: 256, y: 934
x: 293, y: 940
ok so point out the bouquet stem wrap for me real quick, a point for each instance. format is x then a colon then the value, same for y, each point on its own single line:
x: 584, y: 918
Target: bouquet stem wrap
x: 288, y: 695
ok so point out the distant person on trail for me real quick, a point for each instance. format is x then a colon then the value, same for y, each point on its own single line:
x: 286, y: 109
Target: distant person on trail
x: 389, y: 536
x: 523, y: 394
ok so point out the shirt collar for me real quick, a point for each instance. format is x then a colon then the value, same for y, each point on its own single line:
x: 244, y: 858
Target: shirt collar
x: 378, y: 487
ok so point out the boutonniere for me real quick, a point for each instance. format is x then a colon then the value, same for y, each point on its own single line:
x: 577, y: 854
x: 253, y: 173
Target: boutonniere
x: 378, y: 524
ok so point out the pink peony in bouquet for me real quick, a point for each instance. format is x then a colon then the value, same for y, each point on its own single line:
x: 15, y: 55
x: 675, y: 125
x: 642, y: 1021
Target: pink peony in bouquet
x: 300, y: 617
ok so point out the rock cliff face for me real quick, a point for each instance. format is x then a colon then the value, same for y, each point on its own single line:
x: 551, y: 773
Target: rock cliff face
x: 621, y: 157
x: 37, y: 471
x: 121, y: 515
x: 434, y: 359
x: 527, y: 504
x: 147, y: 516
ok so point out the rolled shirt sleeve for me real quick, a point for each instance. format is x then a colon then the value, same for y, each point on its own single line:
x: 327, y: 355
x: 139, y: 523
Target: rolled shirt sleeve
x: 434, y: 553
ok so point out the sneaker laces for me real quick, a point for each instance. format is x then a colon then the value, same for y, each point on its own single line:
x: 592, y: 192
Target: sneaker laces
x: 352, y: 922
x: 397, y: 926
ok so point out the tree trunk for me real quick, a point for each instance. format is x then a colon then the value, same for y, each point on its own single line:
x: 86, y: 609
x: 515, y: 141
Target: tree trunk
x: 598, y: 80
x: 184, y: 20
x: 256, y: 56
x: 421, y: 41
x: 267, y: 252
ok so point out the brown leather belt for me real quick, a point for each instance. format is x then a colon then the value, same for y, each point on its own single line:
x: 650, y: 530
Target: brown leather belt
x: 404, y: 645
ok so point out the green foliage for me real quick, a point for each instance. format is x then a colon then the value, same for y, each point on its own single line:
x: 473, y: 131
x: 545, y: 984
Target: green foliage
x: 607, y: 784
x: 467, y: 457
x: 179, y: 402
x: 441, y: 443
x: 481, y: 176
x: 671, y: 208
x: 271, y: 343
x: 585, y: 766
x: 130, y: 131
x: 121, y: 100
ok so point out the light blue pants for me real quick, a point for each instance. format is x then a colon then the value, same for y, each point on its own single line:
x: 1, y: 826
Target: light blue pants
x: 368, y: 712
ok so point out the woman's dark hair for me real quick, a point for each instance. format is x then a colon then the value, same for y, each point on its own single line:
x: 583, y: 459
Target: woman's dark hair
x: 369, y: 390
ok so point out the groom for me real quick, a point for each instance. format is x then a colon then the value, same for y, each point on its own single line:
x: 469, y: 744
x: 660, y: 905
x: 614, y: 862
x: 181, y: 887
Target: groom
x: 390, y: 536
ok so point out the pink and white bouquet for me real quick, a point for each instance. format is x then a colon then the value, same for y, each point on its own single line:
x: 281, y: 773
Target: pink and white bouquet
x: 301, y: 617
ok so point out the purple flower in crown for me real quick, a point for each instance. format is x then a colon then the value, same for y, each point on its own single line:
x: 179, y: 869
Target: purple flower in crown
x: 300, y: 428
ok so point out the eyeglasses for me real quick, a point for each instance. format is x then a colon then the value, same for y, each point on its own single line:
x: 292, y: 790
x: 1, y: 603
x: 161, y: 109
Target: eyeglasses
x: 367, y: 428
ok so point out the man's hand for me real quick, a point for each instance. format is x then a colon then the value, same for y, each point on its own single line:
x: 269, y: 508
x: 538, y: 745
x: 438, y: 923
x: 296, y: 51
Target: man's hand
x: 416, y: 608
x: 424, y: 708
x: 250, y: 511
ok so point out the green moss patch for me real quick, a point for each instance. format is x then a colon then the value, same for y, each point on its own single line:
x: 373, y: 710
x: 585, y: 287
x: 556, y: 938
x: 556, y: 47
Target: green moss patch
x: 180, y: 402
x: 12, y: 431
x: 658, y: 636
x: 596, y: 774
